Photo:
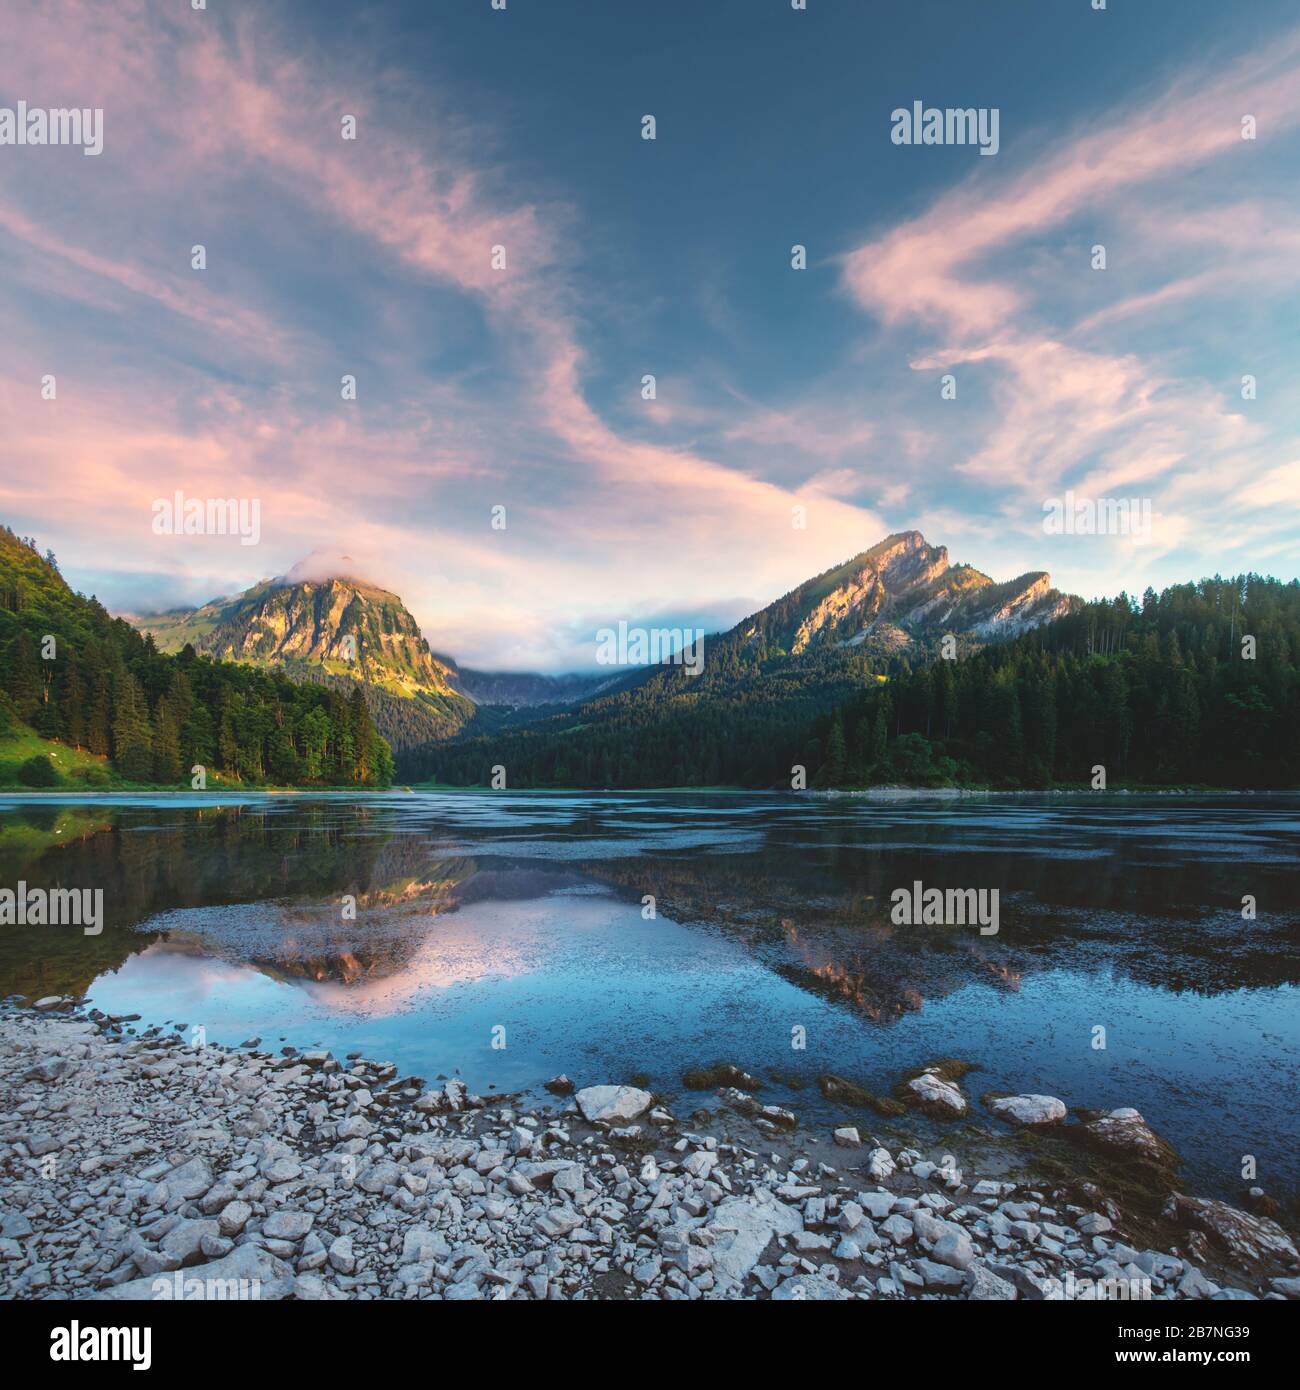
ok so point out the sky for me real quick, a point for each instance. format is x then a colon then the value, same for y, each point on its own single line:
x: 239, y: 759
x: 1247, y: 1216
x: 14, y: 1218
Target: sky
x: 949, y: 360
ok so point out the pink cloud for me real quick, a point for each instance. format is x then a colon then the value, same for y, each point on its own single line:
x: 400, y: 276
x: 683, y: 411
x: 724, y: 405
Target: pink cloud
x: 1066, y: 409
x: 921, y: 270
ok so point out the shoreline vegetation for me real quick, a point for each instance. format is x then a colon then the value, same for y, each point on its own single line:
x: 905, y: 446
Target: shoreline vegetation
x: 86, y: 700
x: 882, y: 793
x: 135, y: 1163
x: 1195, y: 686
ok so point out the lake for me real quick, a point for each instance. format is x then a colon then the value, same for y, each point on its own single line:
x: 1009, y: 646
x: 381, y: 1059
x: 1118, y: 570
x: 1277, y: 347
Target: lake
x: 505, y: 937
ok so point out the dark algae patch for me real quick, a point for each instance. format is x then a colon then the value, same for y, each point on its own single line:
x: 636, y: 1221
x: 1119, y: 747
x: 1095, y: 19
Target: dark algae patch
x: 948, y: 1068
x: 1139, y: 1188
x: 840, y: 1091
x: 720, y: 1074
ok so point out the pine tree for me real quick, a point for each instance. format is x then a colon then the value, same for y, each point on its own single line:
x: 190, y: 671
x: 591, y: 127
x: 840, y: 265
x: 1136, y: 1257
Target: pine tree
x: 833, y: 765
x: 166, y: 743
x: 360, y: 728
x: 23, y: 682
x: 132, y: 735
x: 99, y: 721
x: 197, y: 738
x: 880, y: 730
x: 74, y: 704
x: 227, y: 745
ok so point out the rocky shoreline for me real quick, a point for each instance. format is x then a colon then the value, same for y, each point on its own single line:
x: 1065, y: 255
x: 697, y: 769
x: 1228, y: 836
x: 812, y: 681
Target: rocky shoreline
x: 135, y: 1166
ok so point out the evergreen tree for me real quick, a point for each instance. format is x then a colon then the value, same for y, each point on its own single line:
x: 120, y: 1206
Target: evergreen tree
x: 833, y: 766
x: 166, y: 743
x: 74, y: 704
x: 24, y: 684
x: 132, y: 736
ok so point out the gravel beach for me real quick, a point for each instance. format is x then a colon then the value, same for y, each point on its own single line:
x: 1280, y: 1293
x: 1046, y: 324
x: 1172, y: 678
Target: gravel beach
x: 136, y: 1166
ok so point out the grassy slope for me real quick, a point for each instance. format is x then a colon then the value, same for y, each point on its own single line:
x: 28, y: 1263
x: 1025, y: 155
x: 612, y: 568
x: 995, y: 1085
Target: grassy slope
x: 20, y: 744
x: 171, y: 631
x: 17, y: 747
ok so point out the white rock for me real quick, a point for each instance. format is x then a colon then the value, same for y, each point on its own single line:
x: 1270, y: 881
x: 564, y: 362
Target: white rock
x: 808, y: 1288
x: 879, y: 1165
x: 234, y: 1217
x: 287, y: 1225
x: 185, y: 1240
x: 613, y: 1105
x: 944, y: 1096
x: 1029, y: 1109
x: 953, y: 1248
x: 740, y: 1231
x: 1126, y: 1131
x: 898, y: 1228
x: 248, y: 1267
x: 1251, y: 1239
x: 190, y: 1179
x: 879, y: 1204
x: 982, y: 1285
x: 700, y: 1164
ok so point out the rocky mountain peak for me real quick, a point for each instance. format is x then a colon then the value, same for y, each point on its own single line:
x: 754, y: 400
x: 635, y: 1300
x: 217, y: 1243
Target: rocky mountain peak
x: 316, y: 617
x: 904, y: 589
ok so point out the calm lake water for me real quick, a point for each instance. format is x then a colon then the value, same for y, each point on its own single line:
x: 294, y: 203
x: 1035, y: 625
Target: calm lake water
x: 524, y: 913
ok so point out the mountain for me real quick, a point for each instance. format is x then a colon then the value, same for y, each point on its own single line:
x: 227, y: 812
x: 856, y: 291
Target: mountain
x: 523, y: 690
x: 820, y: 645
x: 900, y: 595
x: 324, y: 622
x: 345, y: 625
x: 86, y: 698
x: 1196, y: 686
x: 331, y: 628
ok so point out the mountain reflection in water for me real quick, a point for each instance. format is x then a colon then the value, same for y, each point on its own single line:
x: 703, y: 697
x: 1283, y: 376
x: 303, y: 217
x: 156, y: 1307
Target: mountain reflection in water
x: 421, y: 926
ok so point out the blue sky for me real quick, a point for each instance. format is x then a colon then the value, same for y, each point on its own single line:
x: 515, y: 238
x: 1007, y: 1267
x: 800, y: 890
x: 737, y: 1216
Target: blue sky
x: 818, y: 389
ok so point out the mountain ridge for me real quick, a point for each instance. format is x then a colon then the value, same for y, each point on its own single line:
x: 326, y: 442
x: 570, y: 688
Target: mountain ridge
x: 72, y: 675
x: 813, y: 648
x: 904, y: 585
x: 322, y: 621
x: 330, y: 630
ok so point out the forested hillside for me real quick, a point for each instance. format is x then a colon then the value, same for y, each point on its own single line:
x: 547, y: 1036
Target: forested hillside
x: 732, y: 723
x: 336, y: 630
x: 1197, y: 685
x: 102, y: 687
x: 1157, y: 692
x: 764, y: 681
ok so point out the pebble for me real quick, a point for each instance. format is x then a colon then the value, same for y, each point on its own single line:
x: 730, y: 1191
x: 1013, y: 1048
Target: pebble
x: 326, y: 1181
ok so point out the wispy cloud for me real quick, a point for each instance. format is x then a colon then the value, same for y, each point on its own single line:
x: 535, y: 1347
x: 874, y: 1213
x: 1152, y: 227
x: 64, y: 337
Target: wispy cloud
x: 1110, y: 399
x: 481, y: 386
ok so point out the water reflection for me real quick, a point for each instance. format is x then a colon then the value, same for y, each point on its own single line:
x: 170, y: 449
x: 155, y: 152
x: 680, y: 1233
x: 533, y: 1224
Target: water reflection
x: 420, y: 923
